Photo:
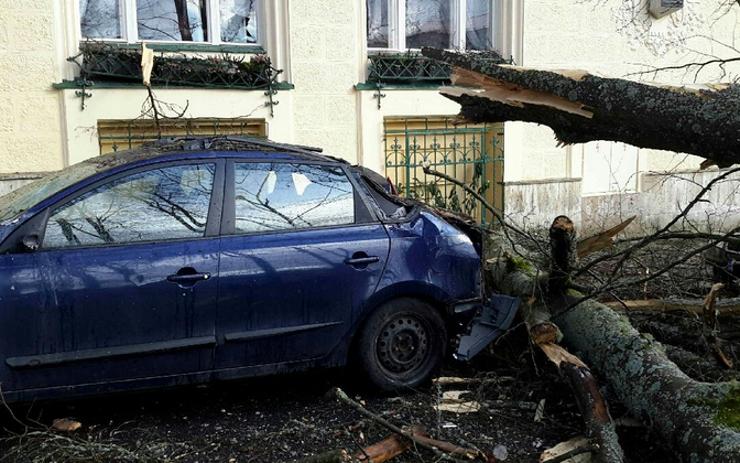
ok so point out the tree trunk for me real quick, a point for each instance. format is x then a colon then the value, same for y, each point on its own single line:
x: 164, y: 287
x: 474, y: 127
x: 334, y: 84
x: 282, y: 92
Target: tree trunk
x: 699, y: 421
x: 581, y: 107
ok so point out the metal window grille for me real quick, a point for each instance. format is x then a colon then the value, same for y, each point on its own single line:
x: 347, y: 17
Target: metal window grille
x: 473, y: 153
x: 116, y: 135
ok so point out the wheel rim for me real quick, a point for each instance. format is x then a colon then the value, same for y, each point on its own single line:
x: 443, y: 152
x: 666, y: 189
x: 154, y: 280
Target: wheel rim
x: 403, y: 344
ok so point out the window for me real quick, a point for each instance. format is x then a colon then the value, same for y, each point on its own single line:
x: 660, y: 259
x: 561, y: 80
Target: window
x: 162, y: 204
x: 204, y: 21
x: 279, y: 196
x: 412, y: 24
x: 125, y: 134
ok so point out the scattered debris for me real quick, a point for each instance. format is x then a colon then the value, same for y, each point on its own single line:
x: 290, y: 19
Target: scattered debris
x: 451, y: 401
x: 65, y: 425
x: 576, y: 450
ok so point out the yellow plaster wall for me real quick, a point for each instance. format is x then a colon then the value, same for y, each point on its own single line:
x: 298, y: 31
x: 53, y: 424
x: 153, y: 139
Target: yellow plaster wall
x: 30, y: 126
x: 325, y: 53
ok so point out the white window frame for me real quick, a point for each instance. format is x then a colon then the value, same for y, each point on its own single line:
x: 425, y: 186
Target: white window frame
x: 458, y: 18
x: 130, y: 28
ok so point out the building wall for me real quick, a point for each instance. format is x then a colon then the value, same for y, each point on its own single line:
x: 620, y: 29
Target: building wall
x: 126, y: 103
x: 326, y: 63
x: 597, y: 36
x: 321, y: 47
x: 586, y: 35
x: 30, y: 125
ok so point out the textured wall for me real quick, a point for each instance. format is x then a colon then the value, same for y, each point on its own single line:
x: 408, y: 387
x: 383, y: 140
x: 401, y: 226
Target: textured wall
x: 595, y: 35
x: 536, y: 204
x: 324, y: 53
x: 30, y: 127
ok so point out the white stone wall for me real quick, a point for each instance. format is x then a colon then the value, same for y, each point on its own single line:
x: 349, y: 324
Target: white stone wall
x: 30, y: 125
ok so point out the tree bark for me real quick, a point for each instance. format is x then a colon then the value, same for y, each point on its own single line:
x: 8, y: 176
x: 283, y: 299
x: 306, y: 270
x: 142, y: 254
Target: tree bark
x: 581, y: 107
x: 699, y: 421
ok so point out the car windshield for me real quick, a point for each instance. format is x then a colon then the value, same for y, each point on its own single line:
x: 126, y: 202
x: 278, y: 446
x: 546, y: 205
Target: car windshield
x: 33, y: 193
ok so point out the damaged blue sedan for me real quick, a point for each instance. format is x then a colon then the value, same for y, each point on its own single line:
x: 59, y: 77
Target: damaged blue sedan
x: 192, y: 260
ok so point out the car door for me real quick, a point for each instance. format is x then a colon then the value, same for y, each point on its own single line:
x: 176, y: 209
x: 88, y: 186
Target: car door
x: 124, y: 285
x: 301, y: 255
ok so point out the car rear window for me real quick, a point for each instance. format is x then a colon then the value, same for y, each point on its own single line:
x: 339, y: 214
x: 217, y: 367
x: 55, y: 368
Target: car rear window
x: 283, y: 196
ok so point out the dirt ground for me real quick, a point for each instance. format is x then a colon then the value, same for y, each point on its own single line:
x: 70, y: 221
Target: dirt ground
x: 286, y: 418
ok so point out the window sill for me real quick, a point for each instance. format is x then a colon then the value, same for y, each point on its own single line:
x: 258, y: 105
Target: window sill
x: 183, y: 47
x: 373, y: 86
x: 72, y: 84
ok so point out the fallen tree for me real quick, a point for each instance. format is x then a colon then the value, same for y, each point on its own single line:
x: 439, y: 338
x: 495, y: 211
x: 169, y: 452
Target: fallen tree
x: 581, y: 107
x: 700, y: 421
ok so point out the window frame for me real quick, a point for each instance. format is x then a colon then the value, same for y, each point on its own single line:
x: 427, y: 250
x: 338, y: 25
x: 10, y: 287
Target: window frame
x: 215, y: 206
x: 130, y: 30
x: 364, y: 212
x: 458, y: 17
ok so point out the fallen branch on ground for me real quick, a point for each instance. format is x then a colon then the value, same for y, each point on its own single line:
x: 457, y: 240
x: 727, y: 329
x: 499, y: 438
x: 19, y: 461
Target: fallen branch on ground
x: 443, y: 450
x: 726, y: 308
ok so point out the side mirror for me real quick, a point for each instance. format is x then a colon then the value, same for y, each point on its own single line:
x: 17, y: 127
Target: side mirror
x: 31, y: 243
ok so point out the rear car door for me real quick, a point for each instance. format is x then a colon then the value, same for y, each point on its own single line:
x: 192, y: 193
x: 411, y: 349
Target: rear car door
x: 124, y: 286
x: 299, y: 256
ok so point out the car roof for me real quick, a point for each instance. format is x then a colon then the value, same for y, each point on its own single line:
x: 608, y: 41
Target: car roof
x: 251, y: 148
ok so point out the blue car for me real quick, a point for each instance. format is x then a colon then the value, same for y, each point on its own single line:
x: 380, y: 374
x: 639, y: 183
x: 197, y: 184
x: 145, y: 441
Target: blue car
x: 192, y: 260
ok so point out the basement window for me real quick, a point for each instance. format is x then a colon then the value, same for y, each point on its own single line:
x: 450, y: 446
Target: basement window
x: 119, y: 135
x: 413, y: 24
x: 192, y: 21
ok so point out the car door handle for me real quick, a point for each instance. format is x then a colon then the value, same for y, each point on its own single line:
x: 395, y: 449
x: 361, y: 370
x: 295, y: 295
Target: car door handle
x: 362, y: 260
x: 188, y: 277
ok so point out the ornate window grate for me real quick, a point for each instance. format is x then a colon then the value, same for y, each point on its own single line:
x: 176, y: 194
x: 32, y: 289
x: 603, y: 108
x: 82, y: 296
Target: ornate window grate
x: 472, y: 153
x: 104, y: 62
x: 406, y: 67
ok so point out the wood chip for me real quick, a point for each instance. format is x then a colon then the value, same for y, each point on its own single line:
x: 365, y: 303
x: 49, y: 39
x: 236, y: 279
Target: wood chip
x: 65, y: 425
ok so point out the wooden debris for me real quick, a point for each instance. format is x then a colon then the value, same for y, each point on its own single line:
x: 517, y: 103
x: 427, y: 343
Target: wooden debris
x: 385, y: 450
x: 452, y: 380
x: 576, y: 450
x: 711, y: 325
x: 451, y: 401
x: 476, y: 84
x: 332, y: 456
x: 65, y: 425
x: 725, y: 308
x: 445, y: 451
x: 601, y: 241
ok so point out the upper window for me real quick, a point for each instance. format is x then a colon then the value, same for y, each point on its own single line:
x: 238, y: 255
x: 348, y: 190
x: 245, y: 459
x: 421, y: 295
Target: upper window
x: 161, y: 204
x: 204, y: 21
x: 413, y: 24
x: 280, y: 196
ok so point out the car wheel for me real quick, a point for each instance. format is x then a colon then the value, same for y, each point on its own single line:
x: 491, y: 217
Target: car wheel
x: 402, y: 344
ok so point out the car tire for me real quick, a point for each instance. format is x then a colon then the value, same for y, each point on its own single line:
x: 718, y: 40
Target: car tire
x: 402, y: 344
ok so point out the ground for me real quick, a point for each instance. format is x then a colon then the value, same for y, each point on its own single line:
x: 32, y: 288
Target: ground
x: 285, y: 418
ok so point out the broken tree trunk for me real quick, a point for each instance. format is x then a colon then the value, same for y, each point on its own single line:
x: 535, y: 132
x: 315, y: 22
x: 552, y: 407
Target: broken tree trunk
x: 700, y: 421
x: 546, y: 335
x: 581, y: 107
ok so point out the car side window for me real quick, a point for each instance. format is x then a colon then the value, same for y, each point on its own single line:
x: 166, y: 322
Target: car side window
x: 284, y: 196
x: 161, y: 204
